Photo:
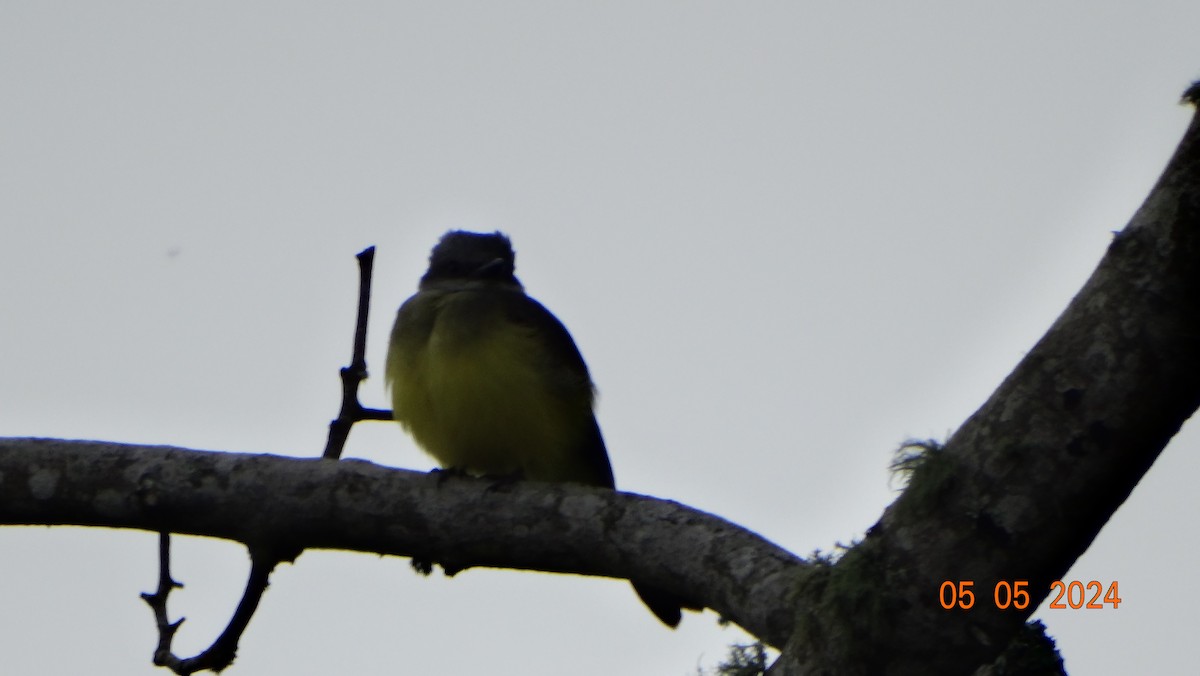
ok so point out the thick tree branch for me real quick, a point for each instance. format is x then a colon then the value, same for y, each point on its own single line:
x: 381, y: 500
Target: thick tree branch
x: 280, y: 504
x: 1022, y: 488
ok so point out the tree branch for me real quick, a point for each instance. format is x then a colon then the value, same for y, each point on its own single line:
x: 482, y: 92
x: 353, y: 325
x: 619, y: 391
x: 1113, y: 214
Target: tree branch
x: 352, y: 376
x: 158, y: 603
x: 1022, y: 488
x: 279, y: 504
x: 220, y: 654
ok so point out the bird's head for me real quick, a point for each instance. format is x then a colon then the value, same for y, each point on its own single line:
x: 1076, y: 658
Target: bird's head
x: 467, y: 257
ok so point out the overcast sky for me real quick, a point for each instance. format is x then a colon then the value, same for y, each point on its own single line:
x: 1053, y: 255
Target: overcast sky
x: 786, y: 237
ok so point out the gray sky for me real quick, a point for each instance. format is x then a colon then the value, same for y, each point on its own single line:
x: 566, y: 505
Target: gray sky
x: 786, y: 237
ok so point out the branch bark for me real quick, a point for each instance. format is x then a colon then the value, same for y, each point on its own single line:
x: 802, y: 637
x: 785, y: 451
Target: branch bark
x: 281, y: 504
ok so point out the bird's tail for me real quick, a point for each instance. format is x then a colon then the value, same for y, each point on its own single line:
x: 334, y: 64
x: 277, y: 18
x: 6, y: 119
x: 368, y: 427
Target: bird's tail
x: 665, y: 606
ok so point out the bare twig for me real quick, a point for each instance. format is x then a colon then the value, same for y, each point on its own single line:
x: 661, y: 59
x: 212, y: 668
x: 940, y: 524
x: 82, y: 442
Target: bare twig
x: 352, y: 411
x: 220, y: 654
x: 158, y: 600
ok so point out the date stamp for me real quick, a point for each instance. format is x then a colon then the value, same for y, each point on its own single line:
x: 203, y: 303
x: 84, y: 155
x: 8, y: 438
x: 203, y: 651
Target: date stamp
x: 1075, y: 595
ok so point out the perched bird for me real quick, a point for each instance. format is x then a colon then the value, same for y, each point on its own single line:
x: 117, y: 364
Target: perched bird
x: 489, y: 382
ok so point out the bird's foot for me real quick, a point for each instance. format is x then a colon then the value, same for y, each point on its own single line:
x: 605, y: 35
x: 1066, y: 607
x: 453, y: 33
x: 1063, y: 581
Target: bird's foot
x: 503, y: 482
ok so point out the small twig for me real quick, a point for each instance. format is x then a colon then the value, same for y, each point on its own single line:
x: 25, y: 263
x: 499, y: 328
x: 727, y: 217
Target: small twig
x: 220, y: 654
x: 353, y: 375
x: 158, y: 600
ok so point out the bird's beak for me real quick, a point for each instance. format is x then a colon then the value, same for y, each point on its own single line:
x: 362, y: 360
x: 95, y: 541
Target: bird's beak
x: 491, y: 267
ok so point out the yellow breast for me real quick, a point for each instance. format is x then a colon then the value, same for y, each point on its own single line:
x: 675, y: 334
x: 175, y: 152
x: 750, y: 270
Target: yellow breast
x: 476, y: 392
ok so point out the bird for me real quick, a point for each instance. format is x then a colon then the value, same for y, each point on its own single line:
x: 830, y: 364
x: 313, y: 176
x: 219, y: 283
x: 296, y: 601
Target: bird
x: 490, y: 383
